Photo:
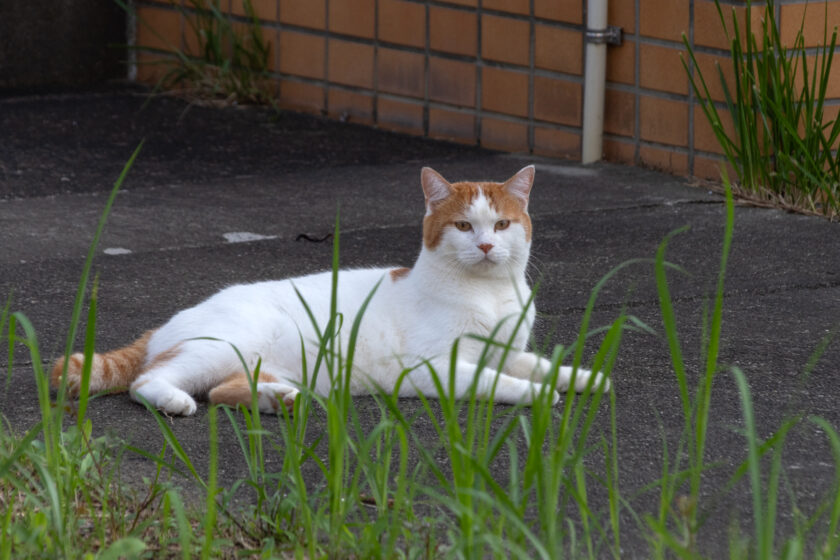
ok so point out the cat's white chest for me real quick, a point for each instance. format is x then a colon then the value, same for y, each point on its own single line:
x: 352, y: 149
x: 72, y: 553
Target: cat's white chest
x: 441, y: 317
x: 484, y: 314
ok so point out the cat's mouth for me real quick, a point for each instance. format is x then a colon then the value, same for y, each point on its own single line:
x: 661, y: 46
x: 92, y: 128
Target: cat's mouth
x: 487, y: 260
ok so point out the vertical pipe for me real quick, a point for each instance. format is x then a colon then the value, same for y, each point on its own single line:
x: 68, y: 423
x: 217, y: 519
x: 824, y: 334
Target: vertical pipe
x: 595, y: 77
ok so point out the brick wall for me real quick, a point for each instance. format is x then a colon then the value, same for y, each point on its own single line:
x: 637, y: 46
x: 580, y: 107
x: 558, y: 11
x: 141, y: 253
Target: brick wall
x: 506, y: 74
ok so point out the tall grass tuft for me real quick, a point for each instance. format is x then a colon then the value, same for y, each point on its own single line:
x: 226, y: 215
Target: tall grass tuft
x: 673, y: 531
x: 781, y: 143
x: 227, y: 60
x: 58, y: 478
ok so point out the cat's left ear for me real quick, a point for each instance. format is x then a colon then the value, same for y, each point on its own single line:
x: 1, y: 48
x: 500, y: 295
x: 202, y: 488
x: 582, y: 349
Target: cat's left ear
x: 520, y: 185
x: 435, y: 187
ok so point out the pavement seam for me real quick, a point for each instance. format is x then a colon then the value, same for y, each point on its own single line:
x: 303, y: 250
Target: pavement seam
x: 647, y: 206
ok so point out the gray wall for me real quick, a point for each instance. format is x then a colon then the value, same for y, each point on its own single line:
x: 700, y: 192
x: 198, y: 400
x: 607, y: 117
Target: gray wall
x: 60, y: 43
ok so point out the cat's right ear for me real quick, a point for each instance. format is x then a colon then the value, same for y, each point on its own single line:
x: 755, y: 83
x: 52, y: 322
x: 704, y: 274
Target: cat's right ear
x: 435, y: 187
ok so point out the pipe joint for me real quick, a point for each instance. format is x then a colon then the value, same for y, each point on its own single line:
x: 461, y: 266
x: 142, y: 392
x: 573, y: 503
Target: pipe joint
x: 611, y: 35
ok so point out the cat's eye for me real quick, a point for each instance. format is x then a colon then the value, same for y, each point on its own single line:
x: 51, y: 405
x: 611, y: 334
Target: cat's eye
x: 502, y: 224
x: 463, y: 226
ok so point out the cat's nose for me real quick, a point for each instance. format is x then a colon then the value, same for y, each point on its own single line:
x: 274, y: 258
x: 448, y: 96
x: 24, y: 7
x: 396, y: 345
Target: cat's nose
x: 486, y: 247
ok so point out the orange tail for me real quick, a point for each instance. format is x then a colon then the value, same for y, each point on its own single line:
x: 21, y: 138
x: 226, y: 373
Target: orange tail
x: 112, y: 370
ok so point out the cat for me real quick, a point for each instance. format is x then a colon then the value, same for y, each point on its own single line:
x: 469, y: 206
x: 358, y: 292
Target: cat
x: 469, y: 278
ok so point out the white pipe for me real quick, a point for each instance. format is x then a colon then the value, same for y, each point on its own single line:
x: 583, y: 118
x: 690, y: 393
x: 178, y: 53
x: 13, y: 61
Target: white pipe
x: 595, y: 77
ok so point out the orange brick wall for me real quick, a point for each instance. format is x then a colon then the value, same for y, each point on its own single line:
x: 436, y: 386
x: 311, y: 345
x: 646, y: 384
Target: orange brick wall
x: 505, y: 74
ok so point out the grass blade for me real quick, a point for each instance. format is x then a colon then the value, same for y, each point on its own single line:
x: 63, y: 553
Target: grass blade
x: 85, y: 276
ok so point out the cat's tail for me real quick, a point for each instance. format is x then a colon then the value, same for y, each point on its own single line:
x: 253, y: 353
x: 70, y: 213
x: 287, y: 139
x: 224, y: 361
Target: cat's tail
x: 113, y: 370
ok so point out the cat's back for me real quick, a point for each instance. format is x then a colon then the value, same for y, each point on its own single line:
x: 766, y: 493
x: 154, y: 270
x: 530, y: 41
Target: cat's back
x: 252, y: 301
x: 253, y: 310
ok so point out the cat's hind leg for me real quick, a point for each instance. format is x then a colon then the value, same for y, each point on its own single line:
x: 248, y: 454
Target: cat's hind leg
x: 171, y: 378
x: 272, y: 392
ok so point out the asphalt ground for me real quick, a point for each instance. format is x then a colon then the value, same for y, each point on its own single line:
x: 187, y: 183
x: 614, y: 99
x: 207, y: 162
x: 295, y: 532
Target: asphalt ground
x: 207, y: 173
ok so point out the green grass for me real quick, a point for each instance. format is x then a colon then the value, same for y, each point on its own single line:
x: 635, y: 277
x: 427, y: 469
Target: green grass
x: 781, y: 144
x: 379, y: 490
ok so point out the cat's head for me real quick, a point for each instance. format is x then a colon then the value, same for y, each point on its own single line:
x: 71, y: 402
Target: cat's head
x: 479, y: 227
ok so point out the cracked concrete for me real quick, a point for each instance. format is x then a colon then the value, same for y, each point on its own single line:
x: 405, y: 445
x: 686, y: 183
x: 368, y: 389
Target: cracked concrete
x: 206, y: 174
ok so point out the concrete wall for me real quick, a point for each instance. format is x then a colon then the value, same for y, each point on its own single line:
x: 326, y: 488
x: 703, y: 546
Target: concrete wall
x: 60, y: 43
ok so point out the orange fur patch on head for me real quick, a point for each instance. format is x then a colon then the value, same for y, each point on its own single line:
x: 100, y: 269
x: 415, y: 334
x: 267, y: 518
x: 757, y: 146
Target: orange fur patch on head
x: 399, y: 273
x: 447, y: 210
x: 462, y: 196
x: 508, y: 206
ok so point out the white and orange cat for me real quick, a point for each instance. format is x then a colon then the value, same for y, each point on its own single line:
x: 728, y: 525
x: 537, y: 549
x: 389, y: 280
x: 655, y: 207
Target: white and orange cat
x: 468, y: 279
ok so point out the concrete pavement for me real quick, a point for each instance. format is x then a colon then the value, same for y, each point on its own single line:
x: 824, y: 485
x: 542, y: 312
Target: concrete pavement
x: 207, y: 176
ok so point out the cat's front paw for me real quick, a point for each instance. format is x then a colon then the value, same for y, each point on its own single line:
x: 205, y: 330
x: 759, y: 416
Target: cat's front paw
x: 583, y: 378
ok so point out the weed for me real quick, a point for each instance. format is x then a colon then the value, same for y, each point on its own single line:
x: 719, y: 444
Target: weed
x: 227, y: 61
x: 781, y: 143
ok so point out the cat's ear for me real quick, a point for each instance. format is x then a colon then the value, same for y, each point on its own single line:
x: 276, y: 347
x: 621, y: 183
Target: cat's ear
x: 520, y: 185
x: 435, y: 187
